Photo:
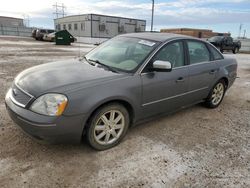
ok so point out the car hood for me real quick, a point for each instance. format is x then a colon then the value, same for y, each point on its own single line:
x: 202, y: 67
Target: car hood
x: 62, y: 76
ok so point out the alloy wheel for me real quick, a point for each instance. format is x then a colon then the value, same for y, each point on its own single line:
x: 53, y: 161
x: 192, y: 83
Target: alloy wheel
x: 217, y: 94
x: 109, y: 127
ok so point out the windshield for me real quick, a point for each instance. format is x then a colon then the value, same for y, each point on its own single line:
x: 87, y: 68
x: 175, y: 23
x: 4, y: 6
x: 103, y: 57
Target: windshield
x: 122, y: 53
x: 214, y: 39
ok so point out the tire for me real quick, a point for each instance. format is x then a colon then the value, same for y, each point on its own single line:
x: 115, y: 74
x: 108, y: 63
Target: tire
x: 220, y: 49
x: 236, y: 50
x: 103, y: 131
x: 216, y: 95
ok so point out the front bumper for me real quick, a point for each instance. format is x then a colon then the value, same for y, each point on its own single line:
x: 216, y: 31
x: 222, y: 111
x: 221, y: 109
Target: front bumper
x: 62, y: 129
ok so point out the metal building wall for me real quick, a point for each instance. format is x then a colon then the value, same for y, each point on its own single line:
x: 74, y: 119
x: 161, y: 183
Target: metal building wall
x: 15, y: 31
x: 12, y: 22
x: 98, y: 27
x: 14, y: 27
x: 114, y: 26
x: 85, y: 20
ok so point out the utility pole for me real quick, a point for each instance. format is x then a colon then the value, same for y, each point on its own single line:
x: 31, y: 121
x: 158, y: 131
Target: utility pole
x: 244, y: 36
x: 152, y: 16
x: 240, y: 30
x: 63, y: 13
x: 56, y: 13
x: 59, y: 10
x: 26, y: 20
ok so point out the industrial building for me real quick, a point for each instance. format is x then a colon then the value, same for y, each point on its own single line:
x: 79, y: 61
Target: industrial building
x: 13, y: 26
x: 94, y: 28
x: 10, y: 21
x: 199, y: 33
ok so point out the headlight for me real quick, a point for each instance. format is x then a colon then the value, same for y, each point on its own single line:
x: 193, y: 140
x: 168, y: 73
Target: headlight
x: 50, y: 104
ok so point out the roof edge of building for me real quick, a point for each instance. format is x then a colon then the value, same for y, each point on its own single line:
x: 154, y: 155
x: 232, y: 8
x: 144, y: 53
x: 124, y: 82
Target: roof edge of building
x: 99, y: 15
x: 11, y: 17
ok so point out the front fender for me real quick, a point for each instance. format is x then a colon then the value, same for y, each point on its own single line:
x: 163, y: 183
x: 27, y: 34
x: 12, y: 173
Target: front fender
x: 86, y: 100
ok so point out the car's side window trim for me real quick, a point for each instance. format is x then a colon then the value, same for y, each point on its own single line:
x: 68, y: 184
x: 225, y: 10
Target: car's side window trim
x: 210, y: 52
x: 187, y: 60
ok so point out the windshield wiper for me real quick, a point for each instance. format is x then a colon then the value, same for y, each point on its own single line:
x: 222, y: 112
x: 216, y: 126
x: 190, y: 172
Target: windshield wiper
x: 88, y: 61
x: 102, y: 64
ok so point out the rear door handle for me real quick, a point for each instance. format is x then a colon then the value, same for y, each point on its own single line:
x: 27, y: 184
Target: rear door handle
x: 180, y: 79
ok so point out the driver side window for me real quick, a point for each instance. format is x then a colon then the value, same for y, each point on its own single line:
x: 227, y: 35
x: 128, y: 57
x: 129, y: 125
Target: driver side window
x: 173, y: 53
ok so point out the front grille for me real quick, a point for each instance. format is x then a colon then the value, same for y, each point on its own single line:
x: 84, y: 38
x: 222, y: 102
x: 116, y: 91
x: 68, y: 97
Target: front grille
x: 20, y: 97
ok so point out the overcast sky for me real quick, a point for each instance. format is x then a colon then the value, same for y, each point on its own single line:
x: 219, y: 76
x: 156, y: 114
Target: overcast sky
x: 218, y: 15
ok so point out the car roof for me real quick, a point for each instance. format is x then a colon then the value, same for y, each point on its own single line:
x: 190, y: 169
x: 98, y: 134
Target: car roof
x: 156, y: 36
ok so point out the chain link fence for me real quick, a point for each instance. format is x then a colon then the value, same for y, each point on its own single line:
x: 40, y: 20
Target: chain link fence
x: 15, y: 31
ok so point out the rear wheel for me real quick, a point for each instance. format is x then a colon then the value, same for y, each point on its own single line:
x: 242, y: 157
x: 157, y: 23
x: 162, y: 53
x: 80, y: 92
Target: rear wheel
x: 220, y: 49
x: 216, y: 95
x: 108, y: 126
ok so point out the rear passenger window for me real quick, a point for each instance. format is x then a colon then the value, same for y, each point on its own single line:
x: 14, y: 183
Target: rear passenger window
x: 215, y: 53
x: 198, y: 52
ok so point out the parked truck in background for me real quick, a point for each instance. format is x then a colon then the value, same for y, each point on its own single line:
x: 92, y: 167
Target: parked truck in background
x: 225, y: 43
x: 40, y: 33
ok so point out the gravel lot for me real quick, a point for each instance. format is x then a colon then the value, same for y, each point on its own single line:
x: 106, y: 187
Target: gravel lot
x: 195, y: 147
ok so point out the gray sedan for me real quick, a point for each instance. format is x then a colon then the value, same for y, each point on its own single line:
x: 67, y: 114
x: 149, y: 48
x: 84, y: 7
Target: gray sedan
x: 124, y: 81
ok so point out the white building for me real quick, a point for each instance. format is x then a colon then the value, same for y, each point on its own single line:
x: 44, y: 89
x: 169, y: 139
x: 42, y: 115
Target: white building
x: 94, y: 28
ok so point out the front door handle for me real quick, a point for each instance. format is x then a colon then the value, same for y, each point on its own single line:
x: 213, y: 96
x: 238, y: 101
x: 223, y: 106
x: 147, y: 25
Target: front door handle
x: 180, y: 79
x: 212, y: 71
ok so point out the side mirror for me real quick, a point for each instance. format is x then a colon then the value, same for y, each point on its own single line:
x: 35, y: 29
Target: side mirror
x: 162, y: 66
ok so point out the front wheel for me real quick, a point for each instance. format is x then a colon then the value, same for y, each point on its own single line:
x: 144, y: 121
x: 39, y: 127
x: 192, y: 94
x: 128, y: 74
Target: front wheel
x: 108, y: 126
x: 235, y: 50
x: 216, y: 95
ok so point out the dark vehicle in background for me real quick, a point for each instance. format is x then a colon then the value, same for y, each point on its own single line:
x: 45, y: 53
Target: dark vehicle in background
x: 40, y: 33
x: 33, y: 33
x: 225, y: 43
x: 124, y: 81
